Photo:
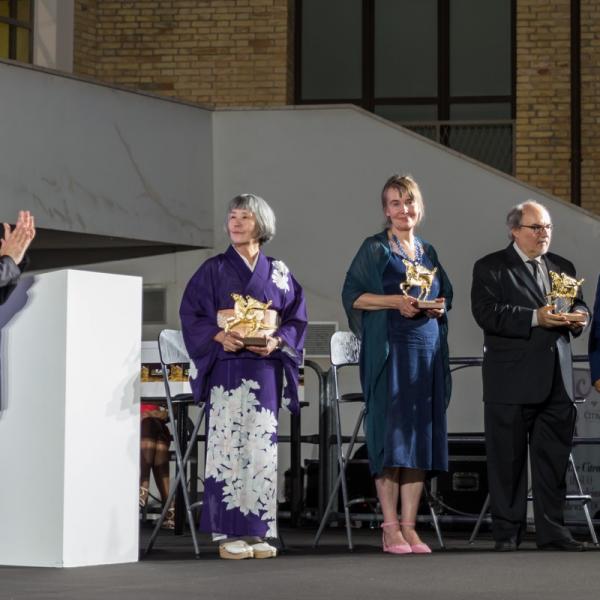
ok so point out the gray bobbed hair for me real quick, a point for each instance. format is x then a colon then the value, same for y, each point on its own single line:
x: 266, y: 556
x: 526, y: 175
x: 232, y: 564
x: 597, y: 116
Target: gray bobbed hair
x: 265, y: 217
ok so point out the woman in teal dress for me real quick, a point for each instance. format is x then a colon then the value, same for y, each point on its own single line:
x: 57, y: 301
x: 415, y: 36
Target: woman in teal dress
x: 404, y: 362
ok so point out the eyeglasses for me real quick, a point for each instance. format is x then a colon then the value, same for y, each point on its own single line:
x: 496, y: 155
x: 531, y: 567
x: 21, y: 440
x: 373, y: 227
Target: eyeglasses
x: 537, y: 229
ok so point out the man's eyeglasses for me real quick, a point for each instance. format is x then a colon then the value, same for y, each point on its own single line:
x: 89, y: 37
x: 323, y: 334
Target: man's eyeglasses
x: 537, y: 229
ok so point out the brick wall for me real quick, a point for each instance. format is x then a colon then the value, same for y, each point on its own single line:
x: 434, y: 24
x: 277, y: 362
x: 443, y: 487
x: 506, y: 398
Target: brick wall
x: 543, y: 137
x: 543, y: 126
x: 590, y: 102
x: 84, y: 38
x: 222, y: 52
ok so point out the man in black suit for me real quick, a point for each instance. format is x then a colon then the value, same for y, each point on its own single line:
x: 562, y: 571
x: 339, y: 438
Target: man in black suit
x: 527, y: 381
x: 12, y: 252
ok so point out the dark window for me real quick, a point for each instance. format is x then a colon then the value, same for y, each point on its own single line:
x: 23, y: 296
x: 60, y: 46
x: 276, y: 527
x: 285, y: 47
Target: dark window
x: 332, y: 61
x: 444, y: 68
x: 405, y: 49
x: 16, y: 30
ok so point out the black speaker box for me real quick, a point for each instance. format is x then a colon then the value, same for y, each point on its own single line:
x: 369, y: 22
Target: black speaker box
x: 465, y: 486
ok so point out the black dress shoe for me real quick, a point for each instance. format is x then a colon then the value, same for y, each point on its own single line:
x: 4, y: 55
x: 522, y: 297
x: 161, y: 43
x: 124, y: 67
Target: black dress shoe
x: 506, y: 546
x: 568, y: 545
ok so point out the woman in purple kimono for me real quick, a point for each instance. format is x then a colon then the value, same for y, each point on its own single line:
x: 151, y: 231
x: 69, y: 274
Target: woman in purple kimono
x: 243, y: 386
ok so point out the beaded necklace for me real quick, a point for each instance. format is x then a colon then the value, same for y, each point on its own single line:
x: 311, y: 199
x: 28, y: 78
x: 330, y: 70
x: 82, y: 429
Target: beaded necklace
x: 418, y: 250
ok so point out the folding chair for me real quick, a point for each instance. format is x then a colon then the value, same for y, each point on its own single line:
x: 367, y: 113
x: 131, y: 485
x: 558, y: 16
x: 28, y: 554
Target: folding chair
x: 171, y: 348
x: 345, y: 352
x: 581, y: 496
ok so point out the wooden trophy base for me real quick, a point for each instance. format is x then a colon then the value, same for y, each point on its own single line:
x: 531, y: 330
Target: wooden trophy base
x: 425, y: 304
x: 255, y: 341
x: 575, y: 317
x: 268, y: 327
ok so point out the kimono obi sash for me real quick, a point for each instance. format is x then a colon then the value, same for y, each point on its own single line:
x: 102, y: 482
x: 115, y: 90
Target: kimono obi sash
x: 253, y: 323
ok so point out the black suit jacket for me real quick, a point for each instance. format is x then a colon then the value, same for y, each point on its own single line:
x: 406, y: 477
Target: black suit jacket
x: 518, y: 360
x: 9, y: 274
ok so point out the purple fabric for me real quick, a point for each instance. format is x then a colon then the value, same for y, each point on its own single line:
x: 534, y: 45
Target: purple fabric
x: 240, y: 486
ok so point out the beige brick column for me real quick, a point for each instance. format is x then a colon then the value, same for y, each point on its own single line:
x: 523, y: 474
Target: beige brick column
x: 590, y: 102
x: 222, y: 52
x: 84, y: 38
x: 543, y: 136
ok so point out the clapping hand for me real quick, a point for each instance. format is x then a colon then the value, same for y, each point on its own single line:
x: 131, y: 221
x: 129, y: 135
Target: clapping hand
x: 16, y: 242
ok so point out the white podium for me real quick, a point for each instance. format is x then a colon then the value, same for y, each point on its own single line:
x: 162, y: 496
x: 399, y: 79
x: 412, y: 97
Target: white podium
x: 69, y: 420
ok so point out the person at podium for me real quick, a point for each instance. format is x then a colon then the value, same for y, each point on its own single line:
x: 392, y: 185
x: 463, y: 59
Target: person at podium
x: 13, y: 246
x: 243, y: 319
x: 396, y: 295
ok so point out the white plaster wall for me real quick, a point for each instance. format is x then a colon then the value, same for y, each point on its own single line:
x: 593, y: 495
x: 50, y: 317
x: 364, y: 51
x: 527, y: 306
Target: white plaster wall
x: 95, y: 159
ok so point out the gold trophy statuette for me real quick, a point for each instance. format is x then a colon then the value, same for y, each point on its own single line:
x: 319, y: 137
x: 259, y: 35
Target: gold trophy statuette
x: 562, y: 295
x: 251, y: 318
x: 419, y: 276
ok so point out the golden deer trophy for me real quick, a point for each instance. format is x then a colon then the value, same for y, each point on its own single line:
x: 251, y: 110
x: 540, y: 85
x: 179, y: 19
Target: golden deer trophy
x: 419, y: 276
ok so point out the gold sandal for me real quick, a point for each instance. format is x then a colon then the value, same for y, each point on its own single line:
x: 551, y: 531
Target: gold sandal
x: 144, y: 492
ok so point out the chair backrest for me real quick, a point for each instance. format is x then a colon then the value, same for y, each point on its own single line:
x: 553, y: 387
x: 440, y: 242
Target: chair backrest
x: 344, y: 349
x: 171, y: 347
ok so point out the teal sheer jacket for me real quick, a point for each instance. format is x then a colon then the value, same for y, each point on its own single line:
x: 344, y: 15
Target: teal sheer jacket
x: 365, y: 275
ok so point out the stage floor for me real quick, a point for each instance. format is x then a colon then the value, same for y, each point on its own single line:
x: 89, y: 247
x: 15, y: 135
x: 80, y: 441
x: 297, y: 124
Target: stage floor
x: 331, y: 572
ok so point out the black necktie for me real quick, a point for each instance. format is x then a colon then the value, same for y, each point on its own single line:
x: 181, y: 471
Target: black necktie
x: 537, y: 274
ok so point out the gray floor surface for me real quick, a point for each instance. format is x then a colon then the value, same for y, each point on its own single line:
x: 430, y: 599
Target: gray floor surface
x: 330, y: 572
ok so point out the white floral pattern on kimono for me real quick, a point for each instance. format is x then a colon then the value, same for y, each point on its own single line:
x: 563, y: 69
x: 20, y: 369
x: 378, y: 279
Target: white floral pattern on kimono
x: 241, y: 452
x: 280, y: 275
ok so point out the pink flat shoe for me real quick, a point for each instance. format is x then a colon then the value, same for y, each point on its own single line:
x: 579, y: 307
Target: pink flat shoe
x: 394, y: 548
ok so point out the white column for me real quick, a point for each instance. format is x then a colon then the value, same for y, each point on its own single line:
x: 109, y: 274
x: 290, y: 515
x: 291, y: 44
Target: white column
x: 69, y: 420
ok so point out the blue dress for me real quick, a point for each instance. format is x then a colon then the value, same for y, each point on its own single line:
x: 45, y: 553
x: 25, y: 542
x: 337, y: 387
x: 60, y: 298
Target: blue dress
x: 415, y: 431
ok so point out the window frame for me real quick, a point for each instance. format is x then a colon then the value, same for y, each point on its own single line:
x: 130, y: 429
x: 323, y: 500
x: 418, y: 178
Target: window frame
x: 14, y: 24
x: 442, y: 101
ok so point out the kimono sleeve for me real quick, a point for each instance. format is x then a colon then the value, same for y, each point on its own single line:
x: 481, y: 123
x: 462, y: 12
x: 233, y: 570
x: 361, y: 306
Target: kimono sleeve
x: 292, y: 331
x: 198, y: 313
